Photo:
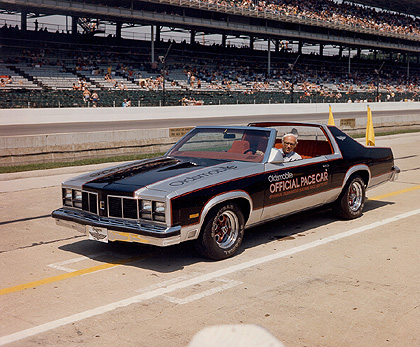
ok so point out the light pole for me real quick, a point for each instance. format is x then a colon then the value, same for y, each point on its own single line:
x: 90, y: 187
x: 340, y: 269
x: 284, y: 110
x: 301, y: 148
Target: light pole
x: 162, y: 59
x: 377, y: 81
x: 292, y: 67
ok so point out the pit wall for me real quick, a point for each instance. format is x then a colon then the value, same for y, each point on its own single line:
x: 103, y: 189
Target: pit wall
x: 19, y: 150
x: 112, y: 114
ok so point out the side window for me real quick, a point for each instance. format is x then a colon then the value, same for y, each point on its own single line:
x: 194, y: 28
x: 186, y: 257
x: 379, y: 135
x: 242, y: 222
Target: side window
x: 312, y: 142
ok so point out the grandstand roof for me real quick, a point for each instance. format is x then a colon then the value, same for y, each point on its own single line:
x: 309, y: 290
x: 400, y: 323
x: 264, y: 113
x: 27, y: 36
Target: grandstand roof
x: 405, y: 6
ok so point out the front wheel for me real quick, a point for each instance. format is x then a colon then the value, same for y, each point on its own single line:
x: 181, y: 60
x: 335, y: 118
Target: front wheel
x: 351, y: 201
x: 222, y: 233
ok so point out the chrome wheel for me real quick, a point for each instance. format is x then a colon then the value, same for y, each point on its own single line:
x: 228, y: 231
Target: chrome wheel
x: 351, y: 201
x: 222, y: 233
x: 226, y: 229
x: 355, y: 196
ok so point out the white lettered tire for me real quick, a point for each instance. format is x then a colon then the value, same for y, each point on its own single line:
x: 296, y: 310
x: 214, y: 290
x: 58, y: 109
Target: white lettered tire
x: 351, y: 201
x: 222, y: 232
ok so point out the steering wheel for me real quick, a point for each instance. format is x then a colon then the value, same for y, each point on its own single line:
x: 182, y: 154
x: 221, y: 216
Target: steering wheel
x: 250, y: 150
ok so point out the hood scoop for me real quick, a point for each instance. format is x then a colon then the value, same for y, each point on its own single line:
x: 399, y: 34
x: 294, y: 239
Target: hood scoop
x: 134, y: 170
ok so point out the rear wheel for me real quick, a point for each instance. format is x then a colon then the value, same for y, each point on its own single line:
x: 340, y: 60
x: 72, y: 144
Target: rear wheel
x: 222, y: 233
x: 351, y: 201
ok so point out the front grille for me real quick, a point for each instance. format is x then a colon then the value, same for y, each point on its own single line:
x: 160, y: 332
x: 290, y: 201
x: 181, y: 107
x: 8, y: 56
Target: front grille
x: 120, y: 207
x: 90, y: 202
x: 116, y: 206
x: 130, y: 208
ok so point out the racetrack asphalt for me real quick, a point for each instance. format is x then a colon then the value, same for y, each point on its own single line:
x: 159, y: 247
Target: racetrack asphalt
x: 62, y: 128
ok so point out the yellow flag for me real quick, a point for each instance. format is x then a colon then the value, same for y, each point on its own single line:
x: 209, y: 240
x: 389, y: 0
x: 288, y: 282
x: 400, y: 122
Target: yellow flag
x: 370, y: 134
x: 331, y: 118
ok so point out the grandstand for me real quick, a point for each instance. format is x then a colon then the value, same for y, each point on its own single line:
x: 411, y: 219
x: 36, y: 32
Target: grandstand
x: 53, y: 69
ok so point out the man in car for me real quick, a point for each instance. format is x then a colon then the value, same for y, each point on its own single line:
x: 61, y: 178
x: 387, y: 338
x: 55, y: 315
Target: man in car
x: 289, y: 143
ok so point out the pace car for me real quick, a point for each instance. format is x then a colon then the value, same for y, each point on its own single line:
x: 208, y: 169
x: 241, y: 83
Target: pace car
x: 217, y: 181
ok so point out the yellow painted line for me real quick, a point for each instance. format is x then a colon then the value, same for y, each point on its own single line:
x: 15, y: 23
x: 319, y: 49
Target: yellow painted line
x: 380, y: 197
x: 68, y: 275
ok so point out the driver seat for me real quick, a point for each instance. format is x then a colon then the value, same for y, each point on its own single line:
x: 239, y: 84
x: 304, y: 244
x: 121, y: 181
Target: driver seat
x: 239, y: 146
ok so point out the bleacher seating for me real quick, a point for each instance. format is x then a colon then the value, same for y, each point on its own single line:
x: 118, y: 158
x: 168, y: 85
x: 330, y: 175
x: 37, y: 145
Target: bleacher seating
x: 47, y: 77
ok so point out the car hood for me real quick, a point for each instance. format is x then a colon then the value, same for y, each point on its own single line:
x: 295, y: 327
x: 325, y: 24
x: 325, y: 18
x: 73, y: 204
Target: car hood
x: 163, y: 173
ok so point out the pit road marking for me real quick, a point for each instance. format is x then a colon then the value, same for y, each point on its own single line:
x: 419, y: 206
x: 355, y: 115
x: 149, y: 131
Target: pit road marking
x: 193, y: 281
x: 129, y: 260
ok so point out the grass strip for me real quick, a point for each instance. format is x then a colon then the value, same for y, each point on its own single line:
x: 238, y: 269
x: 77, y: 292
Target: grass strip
x: 387, y: 133
x: 81, y: 162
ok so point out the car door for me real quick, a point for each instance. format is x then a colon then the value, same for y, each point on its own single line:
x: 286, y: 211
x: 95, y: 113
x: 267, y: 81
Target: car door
x: 295, y: 186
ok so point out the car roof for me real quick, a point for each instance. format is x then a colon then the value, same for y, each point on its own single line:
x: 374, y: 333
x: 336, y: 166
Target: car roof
x: 273, y: 124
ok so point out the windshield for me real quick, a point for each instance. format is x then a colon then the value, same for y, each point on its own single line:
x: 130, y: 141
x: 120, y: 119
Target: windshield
x: 221, y: 143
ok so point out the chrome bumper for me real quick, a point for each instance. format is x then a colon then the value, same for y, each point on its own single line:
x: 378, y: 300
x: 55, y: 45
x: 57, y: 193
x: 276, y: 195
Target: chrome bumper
x: 118, y: 230
x: 395, y: 171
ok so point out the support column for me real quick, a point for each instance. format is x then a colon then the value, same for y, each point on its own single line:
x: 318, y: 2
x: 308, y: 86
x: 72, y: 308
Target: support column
x: 277, y: 46
x: 251, y: 42
x: 152, y: 41
x: 74, y: 21
x: 157, y: 33
x: 340, y: 52
x: 269, y: 59
x: 224, y: 40
x: 349, y: 71
x: 192, y: 37
x: 118, y: 30
x: 321, y: 50
x: 300, y: 46
x: 407, y: 57
x: 23, y: 21
x: 359, y: 52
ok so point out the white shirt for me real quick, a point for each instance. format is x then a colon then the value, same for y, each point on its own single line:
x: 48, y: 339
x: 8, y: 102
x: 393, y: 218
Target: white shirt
x: 292, y: 156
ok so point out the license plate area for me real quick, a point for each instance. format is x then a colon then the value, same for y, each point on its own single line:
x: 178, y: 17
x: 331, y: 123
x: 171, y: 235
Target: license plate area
x: 97, y: 233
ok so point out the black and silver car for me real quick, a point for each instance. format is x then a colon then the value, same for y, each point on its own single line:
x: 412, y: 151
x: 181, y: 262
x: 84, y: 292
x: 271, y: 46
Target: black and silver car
x: 217, y: 181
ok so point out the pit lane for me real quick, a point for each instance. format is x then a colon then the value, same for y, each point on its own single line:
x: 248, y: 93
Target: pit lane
x: 309, y: 279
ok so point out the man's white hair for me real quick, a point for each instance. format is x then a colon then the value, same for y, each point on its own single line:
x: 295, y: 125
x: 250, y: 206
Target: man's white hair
x: 290, y: 134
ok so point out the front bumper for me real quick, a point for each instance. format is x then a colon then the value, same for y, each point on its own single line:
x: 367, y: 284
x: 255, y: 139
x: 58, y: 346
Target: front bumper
x: 117, y: 229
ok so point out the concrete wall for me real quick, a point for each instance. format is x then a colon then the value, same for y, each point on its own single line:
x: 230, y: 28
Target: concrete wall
x: 70, y: 115
x: 18, y: 150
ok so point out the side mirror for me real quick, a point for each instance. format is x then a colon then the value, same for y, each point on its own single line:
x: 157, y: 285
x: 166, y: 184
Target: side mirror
x: 276, y: 156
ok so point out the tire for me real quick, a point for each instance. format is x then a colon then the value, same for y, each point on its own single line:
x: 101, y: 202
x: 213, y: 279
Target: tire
x: 351, y: 201
x: 222, y: 232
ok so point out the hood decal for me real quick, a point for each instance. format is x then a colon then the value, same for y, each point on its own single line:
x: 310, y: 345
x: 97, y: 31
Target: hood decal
x: 208, y: 173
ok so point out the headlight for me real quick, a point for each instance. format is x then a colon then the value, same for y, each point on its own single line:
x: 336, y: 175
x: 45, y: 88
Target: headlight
x: 159, y: 211
x: 72, y: 197
x: 146, y: 209
x: 152, y: 210
x: 77, y: 198
x: 67, y: 197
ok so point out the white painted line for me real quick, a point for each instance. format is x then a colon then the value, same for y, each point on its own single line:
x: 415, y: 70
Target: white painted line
x: 228, y: 284
x: 59, y: 265
x: 196, y: 280
x: 167, y: 282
